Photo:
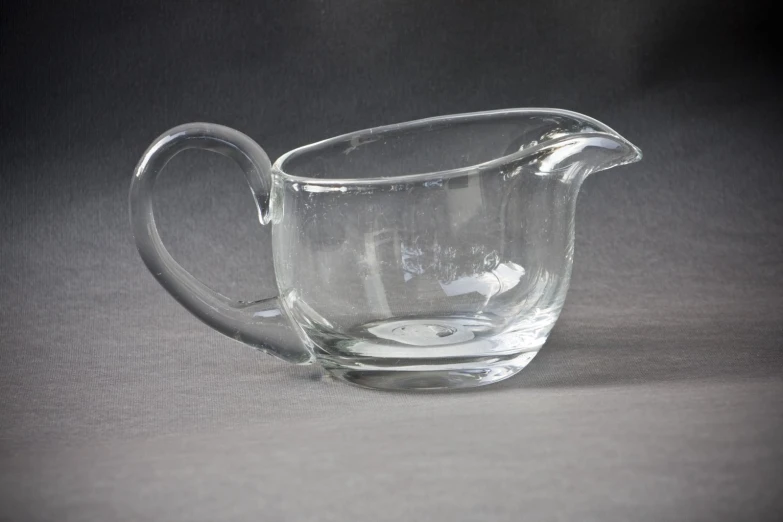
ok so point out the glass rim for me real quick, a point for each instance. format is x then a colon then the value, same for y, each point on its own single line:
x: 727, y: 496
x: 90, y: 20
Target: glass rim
x: 278, y: 166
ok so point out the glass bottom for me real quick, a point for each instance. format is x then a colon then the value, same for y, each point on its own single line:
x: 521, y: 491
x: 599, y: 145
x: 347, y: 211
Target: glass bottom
x: 423, y: 374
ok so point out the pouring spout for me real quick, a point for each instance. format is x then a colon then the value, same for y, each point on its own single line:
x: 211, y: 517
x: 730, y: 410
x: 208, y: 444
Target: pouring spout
x: 574, y: 146
x: 576, y: 156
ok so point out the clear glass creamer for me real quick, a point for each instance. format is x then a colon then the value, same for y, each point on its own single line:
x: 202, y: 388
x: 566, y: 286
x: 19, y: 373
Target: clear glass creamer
x: 424, y: 255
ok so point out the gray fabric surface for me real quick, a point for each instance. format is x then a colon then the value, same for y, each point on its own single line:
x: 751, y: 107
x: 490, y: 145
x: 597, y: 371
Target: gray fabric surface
x: 658, y: 397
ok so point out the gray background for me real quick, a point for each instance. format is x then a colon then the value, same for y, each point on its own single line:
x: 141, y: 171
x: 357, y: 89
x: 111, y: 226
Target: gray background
x: 658, y: 396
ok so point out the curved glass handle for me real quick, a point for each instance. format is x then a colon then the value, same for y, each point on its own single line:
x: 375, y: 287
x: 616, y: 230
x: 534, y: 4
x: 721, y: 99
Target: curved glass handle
x: 261, y: 324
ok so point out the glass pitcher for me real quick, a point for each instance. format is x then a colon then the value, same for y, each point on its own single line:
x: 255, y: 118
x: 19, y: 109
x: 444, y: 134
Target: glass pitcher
x: 424, y: 255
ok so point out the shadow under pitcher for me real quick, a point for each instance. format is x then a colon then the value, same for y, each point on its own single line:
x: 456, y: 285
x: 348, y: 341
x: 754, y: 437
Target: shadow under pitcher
x: 424, y: 255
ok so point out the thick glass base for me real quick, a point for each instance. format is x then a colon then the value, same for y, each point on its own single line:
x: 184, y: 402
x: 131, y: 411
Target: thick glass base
x: 423, y: 374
